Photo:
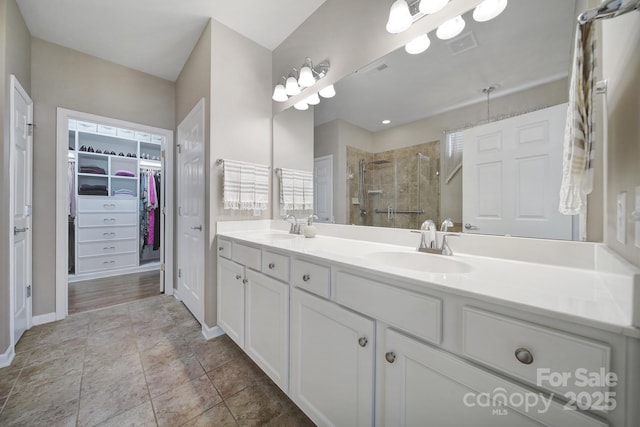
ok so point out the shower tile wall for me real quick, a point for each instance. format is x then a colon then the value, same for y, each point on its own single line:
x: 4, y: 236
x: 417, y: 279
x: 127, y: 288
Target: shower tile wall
x: 401, y: 193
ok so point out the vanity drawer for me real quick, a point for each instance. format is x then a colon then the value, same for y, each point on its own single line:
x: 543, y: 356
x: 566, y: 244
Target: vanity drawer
x: 417, y: 314
x: 101, y: 204
x: 311, y: 277
x: 107, y: 218
x: 495, y: 340
x: 224, y: 248
x: 246, y: 255
x: 275, y: 265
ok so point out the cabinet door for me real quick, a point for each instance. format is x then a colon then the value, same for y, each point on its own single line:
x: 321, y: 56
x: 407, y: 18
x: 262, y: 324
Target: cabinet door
x: 267, y: 326
x: 331, y: 362
x: 231, y: 299
x: 427, y: 386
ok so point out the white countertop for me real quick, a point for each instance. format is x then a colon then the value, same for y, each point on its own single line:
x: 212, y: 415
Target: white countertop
x: 602, y: 299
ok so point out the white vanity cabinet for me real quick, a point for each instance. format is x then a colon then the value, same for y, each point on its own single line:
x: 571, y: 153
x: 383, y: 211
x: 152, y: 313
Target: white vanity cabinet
x: 253, y: 309
x: 332, y: 362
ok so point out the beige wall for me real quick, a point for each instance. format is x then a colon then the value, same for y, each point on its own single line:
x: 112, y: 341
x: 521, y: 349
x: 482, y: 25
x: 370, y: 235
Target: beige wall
x: 14, y: 59
x: 62, y: 77
x: 621, y: 68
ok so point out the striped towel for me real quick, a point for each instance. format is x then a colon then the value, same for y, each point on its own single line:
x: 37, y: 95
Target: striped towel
x: 577, y: 171
x: 307, y: 190
x: 286, y: 188
x: 261, y: 188
x: 245, y: 185
x: 296, y: 189
x: 231, y: 184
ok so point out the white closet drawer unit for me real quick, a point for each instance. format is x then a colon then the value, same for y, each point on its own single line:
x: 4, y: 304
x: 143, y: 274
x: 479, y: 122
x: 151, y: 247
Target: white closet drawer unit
x: 106, y: 233
x: 106, y: 262
x: 157, y: 139
x: 107, y: 247
x: 87, y: 204
x: 107, y: 130
x: 86, y: 126
x: 143, y: 136
x: 106, y: 218
x: 275, y: 265
x: 126, y: 133
x: 311, y: 277
x: 522, y: 349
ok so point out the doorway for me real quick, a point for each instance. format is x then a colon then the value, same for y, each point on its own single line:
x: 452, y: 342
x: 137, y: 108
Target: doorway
x: 108, y: 182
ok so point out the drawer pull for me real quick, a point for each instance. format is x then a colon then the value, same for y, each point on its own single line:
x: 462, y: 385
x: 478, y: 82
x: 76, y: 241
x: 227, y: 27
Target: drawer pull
x: 108, y: 234
x: 245, y: 281
x: 109, y: 205
x: 524, y: 356
x: 363, y: 341
x: 108, y: 262
x: 109, y: 248
x: 272, y: 266
x: 306, y: 277
x: 221, y: 249
x: 109, y: 220
x: 238, y: 277
x: 390, y: 356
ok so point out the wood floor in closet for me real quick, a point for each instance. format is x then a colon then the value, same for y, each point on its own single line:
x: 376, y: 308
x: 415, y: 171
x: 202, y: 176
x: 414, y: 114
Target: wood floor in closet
x: 99, y: 293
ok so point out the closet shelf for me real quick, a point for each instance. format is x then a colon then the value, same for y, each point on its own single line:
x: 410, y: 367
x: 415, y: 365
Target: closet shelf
x: 97, y: 175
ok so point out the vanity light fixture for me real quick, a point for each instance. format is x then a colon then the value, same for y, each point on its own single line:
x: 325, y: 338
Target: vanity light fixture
x: 279, y: 92
x: 432, y: 6
x: 418, y: 45
x: 291, y: 87
x: 302, y: 105
x: 328, y: 92
x: 450, y: 28
x: 313, y: 99
x: 295, y: 82
x: 400, y: 18
x: 488, y: 10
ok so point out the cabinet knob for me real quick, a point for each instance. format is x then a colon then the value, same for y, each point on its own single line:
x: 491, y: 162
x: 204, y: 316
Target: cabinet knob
x: 363, y: 341
x: 306, y: 277
x: 238, y: 277
x: 272, y: 266
x: 390, y: 356
x: 221, y: 249
x: 245, y: 281
x: 524, y: 356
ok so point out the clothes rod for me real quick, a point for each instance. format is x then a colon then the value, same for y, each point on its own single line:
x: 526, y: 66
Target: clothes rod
x: 419, y: 211
x: 609, y: 9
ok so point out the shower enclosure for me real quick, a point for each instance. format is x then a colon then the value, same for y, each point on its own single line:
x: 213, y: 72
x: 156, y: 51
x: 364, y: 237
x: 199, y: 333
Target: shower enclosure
x: 397, y: 188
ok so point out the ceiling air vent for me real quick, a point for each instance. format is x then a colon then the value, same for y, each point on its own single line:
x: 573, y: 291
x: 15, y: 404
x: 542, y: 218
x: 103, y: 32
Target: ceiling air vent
x: 374, y: 67
x: 462, y: 43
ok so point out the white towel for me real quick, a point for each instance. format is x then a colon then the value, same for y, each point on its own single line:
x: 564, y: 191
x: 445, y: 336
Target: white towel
x: 577, y: 171
x: 286, y: 188
x: 298, y: 190
x: 308, y: 190
x: 231, y: 184
x: 245, y: 186
x: 261, y: 187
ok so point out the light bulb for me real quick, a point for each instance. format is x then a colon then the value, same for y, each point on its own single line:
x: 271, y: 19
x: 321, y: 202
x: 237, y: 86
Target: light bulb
x: 279, y: 93
x: 399, y: 17
x: 431, y: 6
x: 313, y: 99
x: 301, y: 106
x: 418, y: 45
x: 451, y: 28
x: 489, y: 9
x: 327, y: 92
x: 292, y: 88
x: 306, y: 77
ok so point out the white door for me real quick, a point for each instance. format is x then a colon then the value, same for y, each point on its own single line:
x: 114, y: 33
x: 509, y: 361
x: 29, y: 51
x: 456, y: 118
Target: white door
x: 20, y: 161
x: 331, y: 362
x: 231, y: 293
x: 323, y: 188
x: 512, y: 171
x: 191, y: 211
x: 267, y: 326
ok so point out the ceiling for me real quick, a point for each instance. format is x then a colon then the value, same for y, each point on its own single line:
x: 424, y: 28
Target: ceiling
x: 157, y: 36
x: 528, y: 44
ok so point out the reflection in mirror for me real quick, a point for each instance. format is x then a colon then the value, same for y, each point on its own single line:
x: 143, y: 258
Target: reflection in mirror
x: 425, y: 97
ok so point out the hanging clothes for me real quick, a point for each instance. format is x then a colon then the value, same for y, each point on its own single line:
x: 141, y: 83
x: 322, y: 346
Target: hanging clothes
x: 156, y: 224
x: 71, y: 189
x: 152, y: 204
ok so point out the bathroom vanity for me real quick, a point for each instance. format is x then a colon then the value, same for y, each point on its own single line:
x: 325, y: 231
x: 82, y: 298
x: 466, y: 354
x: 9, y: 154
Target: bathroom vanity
x: 361, y: 329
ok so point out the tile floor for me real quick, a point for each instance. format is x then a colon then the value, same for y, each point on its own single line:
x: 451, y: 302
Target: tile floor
x: 144, y: 363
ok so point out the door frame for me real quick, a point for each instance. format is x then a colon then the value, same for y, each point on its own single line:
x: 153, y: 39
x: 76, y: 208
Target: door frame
x: 15, y: 86
x: 62, y: 236
x: 198, y: 108
x: 330, y: 158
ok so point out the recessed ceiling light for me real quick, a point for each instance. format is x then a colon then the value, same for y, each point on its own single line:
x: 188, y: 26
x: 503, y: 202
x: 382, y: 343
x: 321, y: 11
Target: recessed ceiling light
x: 386, y: 122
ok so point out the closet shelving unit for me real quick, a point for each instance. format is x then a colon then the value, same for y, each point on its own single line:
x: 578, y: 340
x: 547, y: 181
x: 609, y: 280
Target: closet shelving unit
x: 107, y: 227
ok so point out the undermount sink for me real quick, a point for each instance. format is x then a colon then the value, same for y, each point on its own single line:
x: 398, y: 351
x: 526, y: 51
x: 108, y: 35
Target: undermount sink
x: 417, y: 261
x: 278, y: 236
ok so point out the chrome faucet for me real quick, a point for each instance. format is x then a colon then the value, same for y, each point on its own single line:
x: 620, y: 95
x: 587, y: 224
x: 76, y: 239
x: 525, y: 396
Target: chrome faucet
x: 295, y: 227
x: 444, y: 227
x: 427, y: 243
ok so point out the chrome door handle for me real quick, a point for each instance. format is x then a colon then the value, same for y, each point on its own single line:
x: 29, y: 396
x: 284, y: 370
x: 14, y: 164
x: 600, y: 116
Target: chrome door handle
x: 17, y: 230
x: 199, y: 228
x: 470, y: 226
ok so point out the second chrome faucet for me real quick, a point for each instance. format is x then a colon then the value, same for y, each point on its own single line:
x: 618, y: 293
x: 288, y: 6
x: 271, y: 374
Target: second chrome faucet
x: 428, y: 238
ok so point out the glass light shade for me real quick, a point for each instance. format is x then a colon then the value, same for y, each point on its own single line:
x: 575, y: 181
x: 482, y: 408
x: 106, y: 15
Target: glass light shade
x: 399, y: 17
x: 431, y: 6
x: 418, y: 45
x: 313, y: 99
x: 489, y: 9
x: 306, y: 77
x: 292, y: 88
x: 327, y: 92
x: 279, y: 94
x: 301, y: 106
x: 451, y: 28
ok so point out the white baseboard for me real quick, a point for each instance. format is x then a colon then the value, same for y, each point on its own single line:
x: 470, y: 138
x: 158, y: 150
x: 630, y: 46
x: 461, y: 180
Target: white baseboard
x: 7, y: 357
x: 43, y: 318
x: 152, y: 266
x: 210, y: 333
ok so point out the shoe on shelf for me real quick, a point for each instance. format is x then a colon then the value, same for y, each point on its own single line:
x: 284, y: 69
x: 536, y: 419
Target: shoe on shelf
x: 121, y: 154
x: 83, y: 148
x: 99, y: 151
x: 90, y: 149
